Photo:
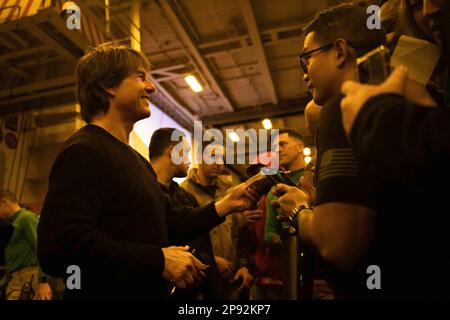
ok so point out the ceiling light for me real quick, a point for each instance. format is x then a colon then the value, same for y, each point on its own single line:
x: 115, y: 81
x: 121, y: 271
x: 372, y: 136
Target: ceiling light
x: 193, y: 83
x: 308, y: 160
x: 267, y: 124
x: 234, y: 136
x: 307, y: 151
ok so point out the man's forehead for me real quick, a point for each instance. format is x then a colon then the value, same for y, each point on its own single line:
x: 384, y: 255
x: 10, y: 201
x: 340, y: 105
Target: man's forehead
x: 309, y: 42
x: 282, y: 136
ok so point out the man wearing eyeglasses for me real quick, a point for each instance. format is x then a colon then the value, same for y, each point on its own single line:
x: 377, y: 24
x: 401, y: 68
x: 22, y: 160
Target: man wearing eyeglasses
x: 342, y: 222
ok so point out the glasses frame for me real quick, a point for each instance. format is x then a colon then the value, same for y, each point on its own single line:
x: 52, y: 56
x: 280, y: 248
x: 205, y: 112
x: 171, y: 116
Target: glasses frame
x: 309, y: 53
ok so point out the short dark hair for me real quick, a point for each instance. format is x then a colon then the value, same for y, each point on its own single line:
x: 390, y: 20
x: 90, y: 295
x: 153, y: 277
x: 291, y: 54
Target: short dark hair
x: 104, y: 66
x: 161, y: 140
x: 349, y: 22
x: 8, y: 195
x: 292, y: 133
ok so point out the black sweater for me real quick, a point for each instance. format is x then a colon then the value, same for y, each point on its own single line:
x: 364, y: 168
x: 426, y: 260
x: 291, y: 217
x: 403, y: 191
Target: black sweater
x: 407, y: 149
x: 105, y: 212
x: 399, y: 139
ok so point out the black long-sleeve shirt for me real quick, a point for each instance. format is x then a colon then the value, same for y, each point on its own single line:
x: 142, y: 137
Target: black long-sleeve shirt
x: 105, y: 212
x: 407, y: 149
x: 398, y: 139
x: 212, y: 287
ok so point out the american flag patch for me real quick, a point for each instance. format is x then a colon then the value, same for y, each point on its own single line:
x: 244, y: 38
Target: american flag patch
x: 338, y: 162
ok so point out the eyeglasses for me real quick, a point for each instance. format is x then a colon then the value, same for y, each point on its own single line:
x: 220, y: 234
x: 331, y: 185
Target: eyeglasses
x: 304, y: 57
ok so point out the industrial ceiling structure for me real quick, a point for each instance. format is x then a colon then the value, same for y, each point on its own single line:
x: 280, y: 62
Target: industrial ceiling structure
x: 244, y: 54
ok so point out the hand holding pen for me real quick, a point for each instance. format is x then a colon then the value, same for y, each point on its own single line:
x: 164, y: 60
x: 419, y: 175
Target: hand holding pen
x: 181, y: 267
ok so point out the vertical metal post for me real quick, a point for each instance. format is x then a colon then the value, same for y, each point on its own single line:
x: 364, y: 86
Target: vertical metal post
x: 107, y: 20
x: 291, y: 280
x: 135, y: 24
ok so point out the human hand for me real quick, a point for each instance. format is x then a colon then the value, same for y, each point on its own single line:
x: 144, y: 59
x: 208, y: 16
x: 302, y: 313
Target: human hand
x: 44, y: 292
x: 237, y: 199
x: 309, y: 189
x: 225, y: 267
x: 245, y: 276
x: 248, y: 217
x: 356, y: 94
x: 289, y: 199
x: 181, y: 267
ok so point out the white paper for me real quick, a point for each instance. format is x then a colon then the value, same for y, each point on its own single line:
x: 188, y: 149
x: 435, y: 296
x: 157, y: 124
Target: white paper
x: 419, y: 56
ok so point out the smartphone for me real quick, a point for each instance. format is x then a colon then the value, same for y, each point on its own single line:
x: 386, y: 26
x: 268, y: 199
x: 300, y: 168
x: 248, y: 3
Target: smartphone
x: 374, y: 66
x: 262, y: 182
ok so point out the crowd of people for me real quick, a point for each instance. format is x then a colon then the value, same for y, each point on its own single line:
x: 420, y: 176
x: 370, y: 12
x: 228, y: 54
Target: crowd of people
x: 372, y: 198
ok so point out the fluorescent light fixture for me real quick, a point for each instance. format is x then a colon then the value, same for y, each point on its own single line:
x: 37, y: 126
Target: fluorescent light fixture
x: 267, y: 124
x: 308, y: 160
x: 234, y: 136
x: 193, y: 83
x: 307, y: 151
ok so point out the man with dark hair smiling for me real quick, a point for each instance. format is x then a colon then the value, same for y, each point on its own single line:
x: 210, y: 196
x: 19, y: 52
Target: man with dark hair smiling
x: 385, y: 232
x: 340, y: 226
x: 407, y: 147
x: 104, y: 211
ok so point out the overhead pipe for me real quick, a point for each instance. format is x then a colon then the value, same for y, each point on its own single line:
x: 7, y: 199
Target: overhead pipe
x: 108, y: 20
x: 135, y: 24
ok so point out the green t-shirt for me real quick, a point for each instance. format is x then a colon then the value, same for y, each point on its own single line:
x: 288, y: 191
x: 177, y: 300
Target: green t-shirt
x: 273, y: 226
x: 21, y: 251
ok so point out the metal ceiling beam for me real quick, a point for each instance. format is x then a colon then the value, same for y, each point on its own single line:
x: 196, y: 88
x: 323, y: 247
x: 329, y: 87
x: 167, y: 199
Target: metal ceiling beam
x: 7, y: 44
x: 293, y: 26
x: 17, y: 39
x: 223, y: 41
x: 251, y: 114
x: 169, y: 66
x: 23, y: 53
x: 217, y: 51
x: 37, y: 25
x: 155, y: 53
x: 36, y: 96
x: 172, y: 77
x: 203, y: 66
x: 252, y: 26
x: 39, y: 86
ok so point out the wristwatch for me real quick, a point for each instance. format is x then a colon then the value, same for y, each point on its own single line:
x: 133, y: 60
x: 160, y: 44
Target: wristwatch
x: 295, y: 213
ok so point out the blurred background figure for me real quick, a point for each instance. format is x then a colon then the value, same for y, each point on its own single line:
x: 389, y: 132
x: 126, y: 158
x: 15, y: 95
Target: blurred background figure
x: 267, y: 260
x: 24, y: 279
x: 160, y: 152
x: 207, y: 184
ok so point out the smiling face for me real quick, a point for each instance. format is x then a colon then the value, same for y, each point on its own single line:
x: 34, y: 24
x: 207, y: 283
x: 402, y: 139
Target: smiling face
x: 132, y: 96
x: 342, y: 35
x: 323, y: 75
